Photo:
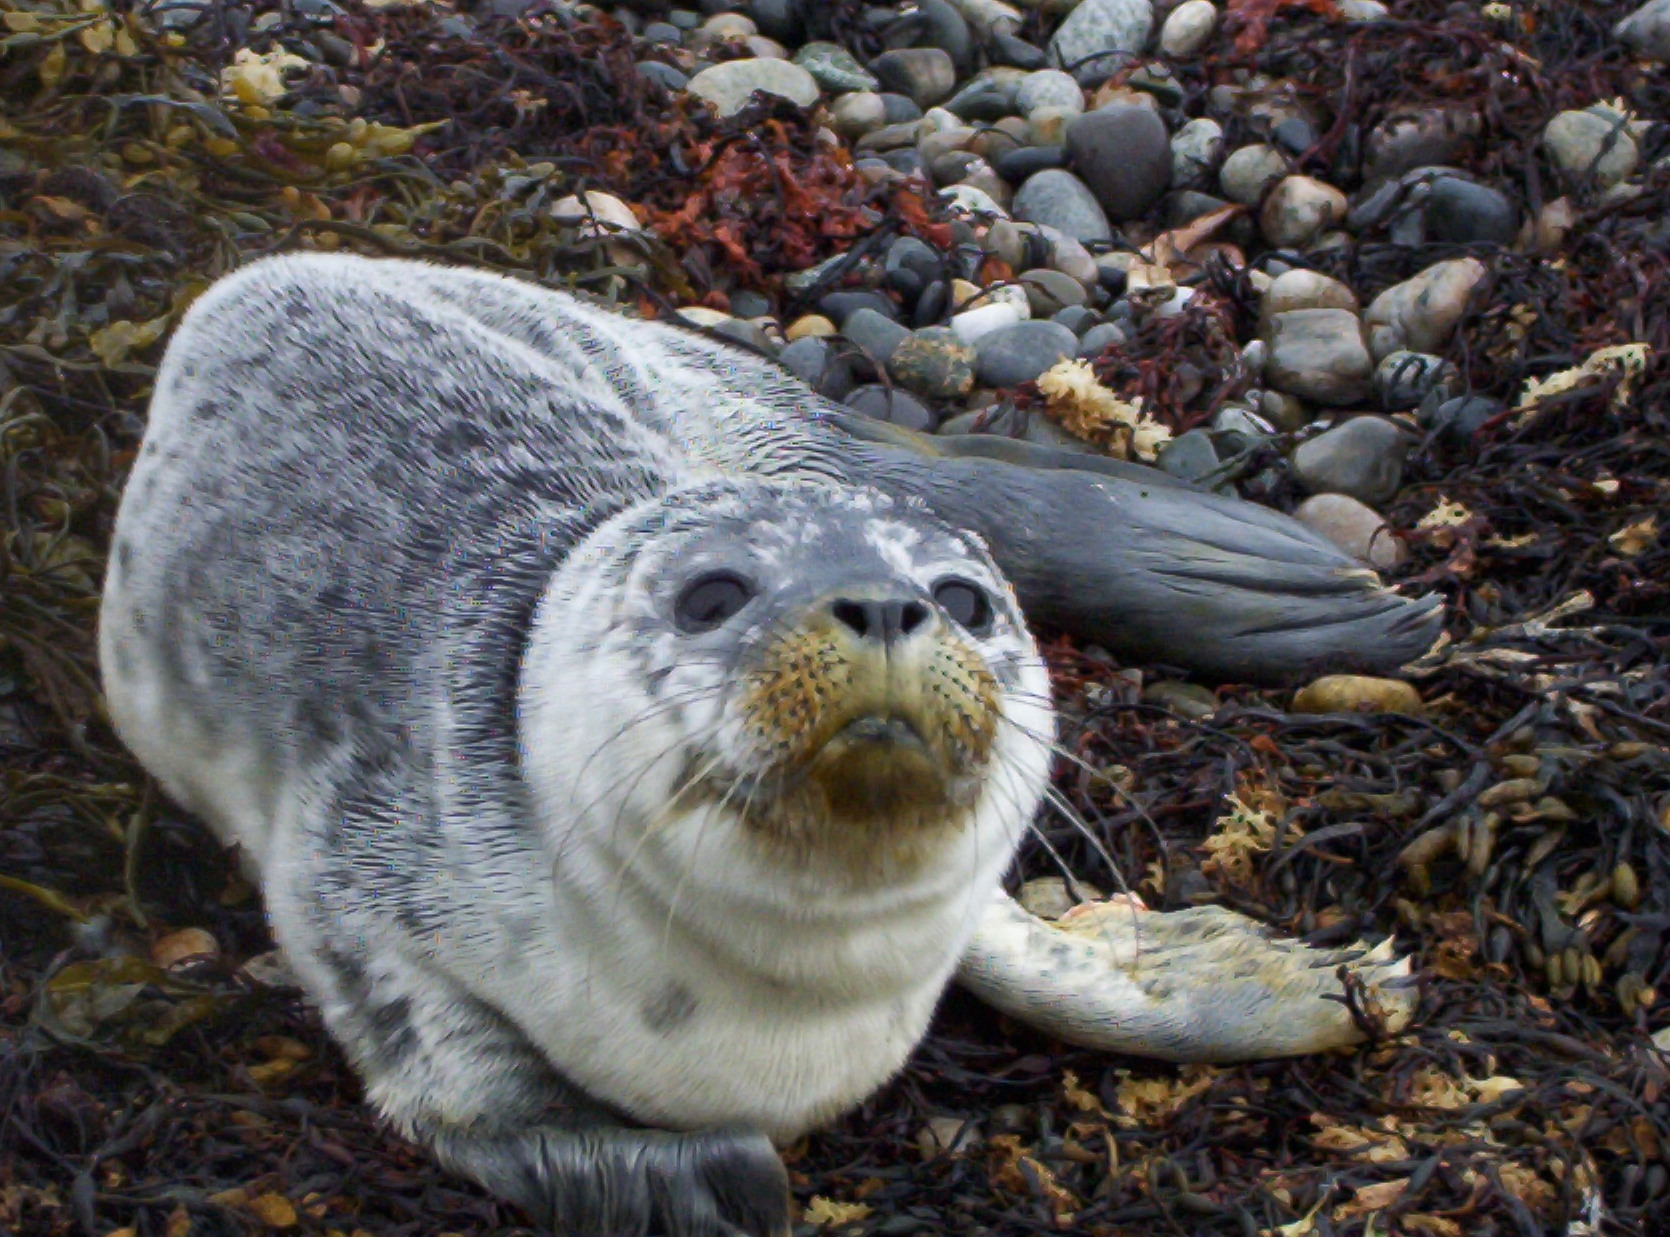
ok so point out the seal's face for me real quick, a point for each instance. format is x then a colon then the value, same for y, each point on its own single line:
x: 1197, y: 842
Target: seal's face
x: 844, y: 680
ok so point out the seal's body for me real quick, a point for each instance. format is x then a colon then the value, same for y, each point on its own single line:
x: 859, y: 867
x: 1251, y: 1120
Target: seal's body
x: 540, y: 823
x: 619, y: 746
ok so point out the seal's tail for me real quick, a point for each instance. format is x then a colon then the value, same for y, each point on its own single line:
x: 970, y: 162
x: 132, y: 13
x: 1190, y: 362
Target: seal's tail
x: 1152, y: 568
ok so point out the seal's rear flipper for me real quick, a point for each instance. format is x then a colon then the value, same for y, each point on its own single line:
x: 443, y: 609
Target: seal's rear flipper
x: 1153, y: 568
x: 1196, y: 985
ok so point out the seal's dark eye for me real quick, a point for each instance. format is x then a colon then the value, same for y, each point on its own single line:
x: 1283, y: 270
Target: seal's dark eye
x: 707, y: 601
x: 966, y: 605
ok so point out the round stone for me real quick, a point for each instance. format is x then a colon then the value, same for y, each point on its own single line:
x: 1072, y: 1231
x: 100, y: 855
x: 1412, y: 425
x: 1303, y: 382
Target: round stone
x: 925, y: 75
x: 973, y: 324
x: 1250, y: 171
x: 1362, y: 458
x: 1194, y: 149
x: 1647, y: 30
x: 1048, y: 88
x: 1048, y: 291
x: 1064, y: 202
x: 1015, y: 354
x: 817, y: 363
x: 1098, y: 339
x: 1123, y: 153
x: 892, y: 405
x: 1187, y: 28
x: 1421, y: 313
x: 1464, y: 212
x: 942, y: 26
x: 729, y: 86
x: 1299, y: 209
x: 1302, y: 289
x: 1191, y: 457
x: 1319, y: 354
x: 1354, y: 527
x: 857, y: 113
x: 934, y: 364
x: 1594, y: 142
x: 876, y: 335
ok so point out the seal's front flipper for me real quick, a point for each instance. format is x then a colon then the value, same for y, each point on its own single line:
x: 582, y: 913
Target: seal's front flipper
x: 1153, y: 568
x: 1198, y: 985
x: 616, y: 1182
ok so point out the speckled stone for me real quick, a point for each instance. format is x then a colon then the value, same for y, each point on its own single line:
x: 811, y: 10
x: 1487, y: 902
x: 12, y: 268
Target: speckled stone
x: 934, y: 363
x: 1058, y: 198
x: 1319, y: 355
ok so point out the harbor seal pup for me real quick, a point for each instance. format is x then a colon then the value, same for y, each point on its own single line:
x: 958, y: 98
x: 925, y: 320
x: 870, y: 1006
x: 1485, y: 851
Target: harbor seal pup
x: 627, y: 759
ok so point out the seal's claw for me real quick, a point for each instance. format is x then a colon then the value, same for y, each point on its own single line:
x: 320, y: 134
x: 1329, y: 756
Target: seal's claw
x: 618, y: 1182
x: 1197, y: 985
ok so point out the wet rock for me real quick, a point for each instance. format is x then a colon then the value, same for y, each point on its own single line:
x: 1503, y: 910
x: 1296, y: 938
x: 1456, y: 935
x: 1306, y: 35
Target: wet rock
x: 1299, y: 209
x: 1006, y: 241
x: 1237, y: 428
x: 1099, y: 339
x: 1357, y: 693
x: 1076, y: 318
x: 817, y: 363
x: 895, y: 406
x: 1021, y: 163
x: 1404, y: 379
x: 1362, y: 458
x: 778, y: 18
x: 663, y: 75
x: 809, y: 326
x: 934, y: 363
x: 1189, y: 700
x: 1594, y: 142
x: 1420, y: 314
x: 835, y: 68
x: 1287, y: 413
x: 971, y: 325
x: 1457, y: 420
x: 1064, y: 202
x: 839, y: 306
x: 1423, y: 138
x: 1099, y: 37
x: 729, y: 86
x: 1015, y: 354
x: 877, y: 336
x: 1191, y: 457
x: 1248, y: 173
x: 1048, y: 291
x: 1319, y: 355
x: 1069, y: 257
x: 990, y: 96
x: 1357, y: 529
x: 900, y: 109
x: 945, y: 28
x: 857, y: 113
x: 1048, y: 88
x: 1293, y: 135
x: 974, y: 200
x: 1463, y: 212
x: 1302, y: 289
x: 1009, y: 49
x: 925, y: 75
x: 1194, y: 149
x: 1123, y: 153
x: 1187, y: 28
x: 1647, y: 30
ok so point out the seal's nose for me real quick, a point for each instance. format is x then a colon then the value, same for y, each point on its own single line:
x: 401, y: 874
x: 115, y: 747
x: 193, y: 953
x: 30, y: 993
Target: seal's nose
x: 884, y: 620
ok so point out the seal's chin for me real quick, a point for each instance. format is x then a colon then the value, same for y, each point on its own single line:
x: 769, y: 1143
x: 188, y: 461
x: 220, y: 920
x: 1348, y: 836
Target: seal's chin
x: 876, y: 771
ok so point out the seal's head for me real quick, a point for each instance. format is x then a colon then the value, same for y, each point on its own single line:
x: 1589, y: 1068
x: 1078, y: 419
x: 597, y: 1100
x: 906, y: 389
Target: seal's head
x: 832, y: 683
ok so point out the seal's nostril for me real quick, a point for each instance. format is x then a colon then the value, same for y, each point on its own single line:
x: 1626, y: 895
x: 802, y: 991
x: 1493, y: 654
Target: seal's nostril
x: 884, y: 621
